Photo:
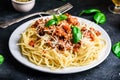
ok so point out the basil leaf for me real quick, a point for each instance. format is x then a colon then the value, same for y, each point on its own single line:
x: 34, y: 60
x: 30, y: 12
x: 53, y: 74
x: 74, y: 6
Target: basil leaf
x: 100, y: 18
x: 55, y: 20
x: 89, y: 11
x: 55, y: 17
x: 1, y: 59
x: 50, y: 22
x: 116, y: 49
x: 77, y: 35
x: 62, y: 17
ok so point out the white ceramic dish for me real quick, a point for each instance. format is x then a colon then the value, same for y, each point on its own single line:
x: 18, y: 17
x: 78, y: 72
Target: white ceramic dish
x: 23, y: 6
x: 14, y: 48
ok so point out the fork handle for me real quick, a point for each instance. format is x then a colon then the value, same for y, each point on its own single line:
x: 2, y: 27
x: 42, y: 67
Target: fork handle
x: 5, y: 24
x: 58, y: 10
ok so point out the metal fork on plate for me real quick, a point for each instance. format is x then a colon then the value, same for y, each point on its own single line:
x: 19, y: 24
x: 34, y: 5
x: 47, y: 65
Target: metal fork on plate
x: 58, y: 10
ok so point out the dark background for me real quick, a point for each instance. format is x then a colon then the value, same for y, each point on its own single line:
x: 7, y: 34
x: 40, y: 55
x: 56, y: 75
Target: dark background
x: 13, y: 70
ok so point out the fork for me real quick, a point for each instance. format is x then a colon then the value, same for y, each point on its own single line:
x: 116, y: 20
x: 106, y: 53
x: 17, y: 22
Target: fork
x: 58, y: 10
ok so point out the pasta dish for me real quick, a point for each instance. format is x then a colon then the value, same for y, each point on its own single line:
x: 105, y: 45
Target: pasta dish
x: 61, y: 41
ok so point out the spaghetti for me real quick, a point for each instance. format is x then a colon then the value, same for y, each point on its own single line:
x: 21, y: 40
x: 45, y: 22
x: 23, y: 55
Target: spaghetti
x: 53, y: 47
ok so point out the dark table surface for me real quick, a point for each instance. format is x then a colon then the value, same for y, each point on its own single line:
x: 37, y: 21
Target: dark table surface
x: 13, y: 70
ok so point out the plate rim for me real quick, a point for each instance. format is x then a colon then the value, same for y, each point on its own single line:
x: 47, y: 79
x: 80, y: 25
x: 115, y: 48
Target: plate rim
x: 59, y: 71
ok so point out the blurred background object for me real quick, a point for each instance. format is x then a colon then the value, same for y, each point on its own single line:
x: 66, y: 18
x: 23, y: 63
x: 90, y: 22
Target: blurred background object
x: 23, y: 5
x: 115, y: 9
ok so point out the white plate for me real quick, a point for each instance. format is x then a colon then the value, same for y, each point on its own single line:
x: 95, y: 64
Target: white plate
x: 14, y: 48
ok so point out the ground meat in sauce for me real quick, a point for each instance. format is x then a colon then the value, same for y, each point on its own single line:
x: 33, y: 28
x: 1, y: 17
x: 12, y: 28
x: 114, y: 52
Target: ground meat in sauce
x: 63, y: 32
